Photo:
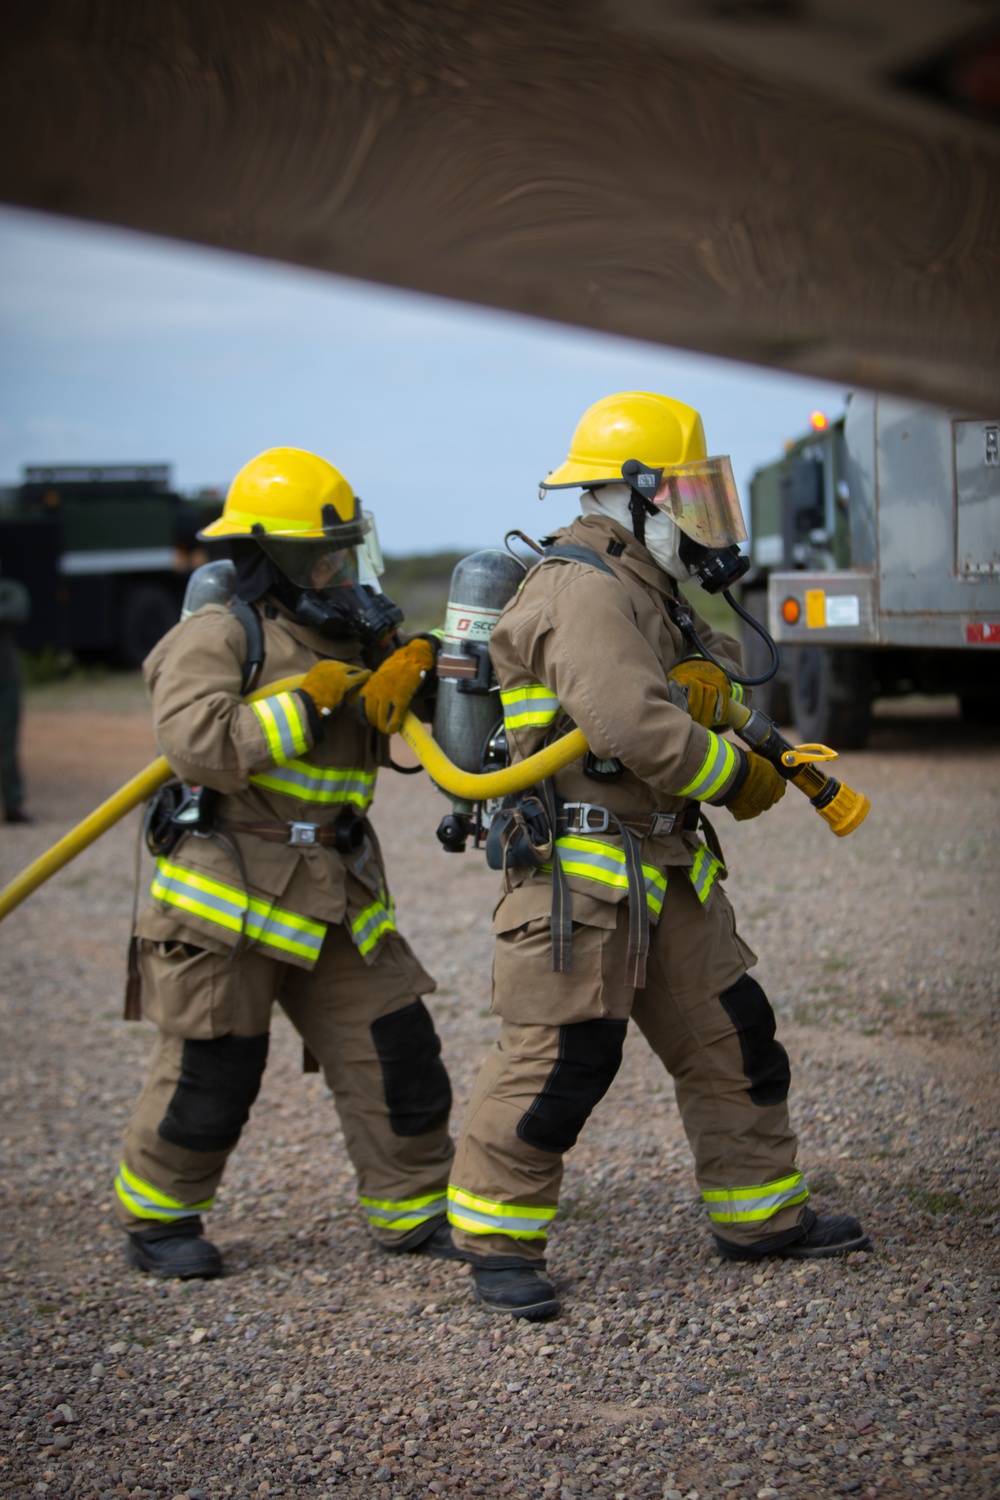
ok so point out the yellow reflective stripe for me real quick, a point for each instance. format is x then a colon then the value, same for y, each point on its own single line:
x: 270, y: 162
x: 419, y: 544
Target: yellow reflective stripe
x: 716, y: 769
x: 403, y: 1213
x: 529, y: 705
x: 736, y: 692
x: 746, y: 1205
x: 284, y: 724
x: 369, y: 925
x: 589, y: 859
x: 324, y: 784
x: 226, y: 906
x: 521, y: 1221
x: 702, y: 874
x: 147, y: 1202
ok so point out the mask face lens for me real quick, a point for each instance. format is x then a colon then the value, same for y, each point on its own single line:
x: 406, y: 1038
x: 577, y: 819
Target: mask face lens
x: 701, y: 499
x: 313, y: 564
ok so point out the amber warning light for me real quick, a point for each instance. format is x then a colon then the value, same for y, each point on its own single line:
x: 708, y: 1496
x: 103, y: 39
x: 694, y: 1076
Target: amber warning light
x: 790, y: 611
x: 818, y: 421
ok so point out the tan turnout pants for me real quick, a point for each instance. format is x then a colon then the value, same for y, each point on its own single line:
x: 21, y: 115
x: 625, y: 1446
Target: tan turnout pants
x: 559, y: 1048
x: 371, y: 1034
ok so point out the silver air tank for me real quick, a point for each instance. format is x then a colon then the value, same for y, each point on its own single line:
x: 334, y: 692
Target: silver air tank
x: 468, y: 702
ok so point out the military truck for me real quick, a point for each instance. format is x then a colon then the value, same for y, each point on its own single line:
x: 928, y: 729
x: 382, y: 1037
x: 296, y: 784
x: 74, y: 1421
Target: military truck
x: 875, y: 548
x: 105, y: 553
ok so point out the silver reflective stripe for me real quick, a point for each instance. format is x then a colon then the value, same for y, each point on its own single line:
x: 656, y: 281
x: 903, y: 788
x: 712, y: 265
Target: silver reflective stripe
x: 528, y: 705
x: 746, y: 1204
x: 216, y: 902
x: 368, y: 927
x: 605, y: 865
x: 715, y: 769
x: 282, y: 719
x: 482, y: 1216
x: 703, y: 871
x: 147, y: 1202
x: 307, y: 783
x: 404, y: 1214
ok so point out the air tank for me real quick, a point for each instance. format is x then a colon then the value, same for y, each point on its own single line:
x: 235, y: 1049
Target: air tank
x: 468, y: 700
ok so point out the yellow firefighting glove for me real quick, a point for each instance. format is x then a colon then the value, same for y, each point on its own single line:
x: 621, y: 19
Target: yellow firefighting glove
x: 760, y: 789
x: 708, y: 690
x: 328, y: 683
x: 388, y: 691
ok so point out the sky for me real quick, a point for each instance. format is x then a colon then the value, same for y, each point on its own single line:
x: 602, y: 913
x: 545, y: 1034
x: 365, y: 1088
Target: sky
x: 117, y: 347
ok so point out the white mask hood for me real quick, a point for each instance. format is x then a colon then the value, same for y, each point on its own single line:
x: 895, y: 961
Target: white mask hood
x: 662, y: 535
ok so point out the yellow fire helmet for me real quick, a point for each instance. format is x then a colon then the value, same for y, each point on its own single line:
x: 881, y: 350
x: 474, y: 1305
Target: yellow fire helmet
x: 284, y: 491
x: 664, y: 438
x: 301, y: 511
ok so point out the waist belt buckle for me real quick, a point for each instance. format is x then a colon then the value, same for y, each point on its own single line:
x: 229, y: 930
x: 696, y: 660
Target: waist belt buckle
x: 663, y: 823
x: 584, y: 811
x: 301, y: 834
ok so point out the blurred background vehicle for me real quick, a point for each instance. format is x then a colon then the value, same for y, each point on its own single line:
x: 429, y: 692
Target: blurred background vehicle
x: 876, y: 566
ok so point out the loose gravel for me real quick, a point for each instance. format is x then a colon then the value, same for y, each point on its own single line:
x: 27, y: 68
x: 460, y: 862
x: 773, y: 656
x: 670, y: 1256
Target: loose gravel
x: 319, y: 1367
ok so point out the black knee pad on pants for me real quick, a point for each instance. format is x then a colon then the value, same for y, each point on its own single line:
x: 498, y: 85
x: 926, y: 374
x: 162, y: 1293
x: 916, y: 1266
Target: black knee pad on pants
x: 220, y: 1079
x: 417, y: 1089
x: 765, y: 1060
x: 590, y: 1054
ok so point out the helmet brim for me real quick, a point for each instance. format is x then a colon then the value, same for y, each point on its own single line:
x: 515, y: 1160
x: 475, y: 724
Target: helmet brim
x: 572, y: 475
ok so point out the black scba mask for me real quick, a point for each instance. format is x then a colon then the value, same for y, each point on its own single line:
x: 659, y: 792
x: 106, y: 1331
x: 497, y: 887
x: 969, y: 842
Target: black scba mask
x: 351, y: 610
x: 348, y: 610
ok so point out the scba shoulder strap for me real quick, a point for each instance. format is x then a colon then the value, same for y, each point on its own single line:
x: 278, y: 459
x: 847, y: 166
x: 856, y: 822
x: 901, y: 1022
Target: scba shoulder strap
x: 253, y: 661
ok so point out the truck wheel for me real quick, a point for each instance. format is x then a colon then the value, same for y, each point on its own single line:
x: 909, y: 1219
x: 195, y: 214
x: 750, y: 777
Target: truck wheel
x: 772, y: 698
x: 980, y: 709
x: 831, y: 696
x: 148, y: 611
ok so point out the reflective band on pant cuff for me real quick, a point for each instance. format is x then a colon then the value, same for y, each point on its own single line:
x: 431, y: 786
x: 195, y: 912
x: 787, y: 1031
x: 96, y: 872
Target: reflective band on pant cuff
x: 746, y: 1205
x: 147, y: 1202
x: 403, y: 1213
x: 521, y: 1221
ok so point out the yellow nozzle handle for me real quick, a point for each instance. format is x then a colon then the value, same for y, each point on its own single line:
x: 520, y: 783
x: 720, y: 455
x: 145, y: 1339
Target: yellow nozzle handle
x: 806, y: 755
x: 447, y: 775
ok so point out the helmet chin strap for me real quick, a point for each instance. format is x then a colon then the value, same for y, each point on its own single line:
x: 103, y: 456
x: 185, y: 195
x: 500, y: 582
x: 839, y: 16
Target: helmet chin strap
x: 657, y: 532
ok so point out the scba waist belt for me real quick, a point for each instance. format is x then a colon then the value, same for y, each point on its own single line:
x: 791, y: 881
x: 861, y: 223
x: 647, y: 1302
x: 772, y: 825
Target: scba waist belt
x: 591, y: 817
x: 345, y: 835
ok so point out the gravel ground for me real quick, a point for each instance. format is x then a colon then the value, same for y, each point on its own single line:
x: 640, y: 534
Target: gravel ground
x: 319, y: 1368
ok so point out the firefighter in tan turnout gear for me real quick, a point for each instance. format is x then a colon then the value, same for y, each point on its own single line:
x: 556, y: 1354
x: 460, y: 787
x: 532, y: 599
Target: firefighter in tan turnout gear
x: 278, y: 892
x: 626, y: 915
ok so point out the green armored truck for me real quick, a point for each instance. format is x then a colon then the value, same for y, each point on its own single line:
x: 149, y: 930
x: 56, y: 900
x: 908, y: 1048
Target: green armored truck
x: 105, y: 553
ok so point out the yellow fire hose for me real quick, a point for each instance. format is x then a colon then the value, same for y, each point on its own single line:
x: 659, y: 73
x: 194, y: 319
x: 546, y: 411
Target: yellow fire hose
x: 841, y: 807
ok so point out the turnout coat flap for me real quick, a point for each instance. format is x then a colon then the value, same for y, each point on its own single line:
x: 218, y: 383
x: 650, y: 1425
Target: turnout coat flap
x: 595, y: 651
x: 271, y: 761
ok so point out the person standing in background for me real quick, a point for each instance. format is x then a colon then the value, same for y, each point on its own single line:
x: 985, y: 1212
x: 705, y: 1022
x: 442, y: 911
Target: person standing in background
x: 15, y: 609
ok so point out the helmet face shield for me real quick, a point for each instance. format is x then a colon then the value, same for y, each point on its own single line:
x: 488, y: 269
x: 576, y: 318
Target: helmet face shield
x: 700, y: 498
x: 345, y: 555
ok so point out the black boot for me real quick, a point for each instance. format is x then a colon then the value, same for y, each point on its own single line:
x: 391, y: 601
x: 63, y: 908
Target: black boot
x: 432, y: 1238
x: 17, y: 815
x: 816, y: 1238
x: 829, y: 1234
x: 521, y: 1291
x: 173, y: 1251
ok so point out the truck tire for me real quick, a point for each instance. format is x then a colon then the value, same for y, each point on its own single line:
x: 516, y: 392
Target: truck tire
x: 831, y: 696
x: 980, y: 709
x: 146, y: 613
x: 772, y: 698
